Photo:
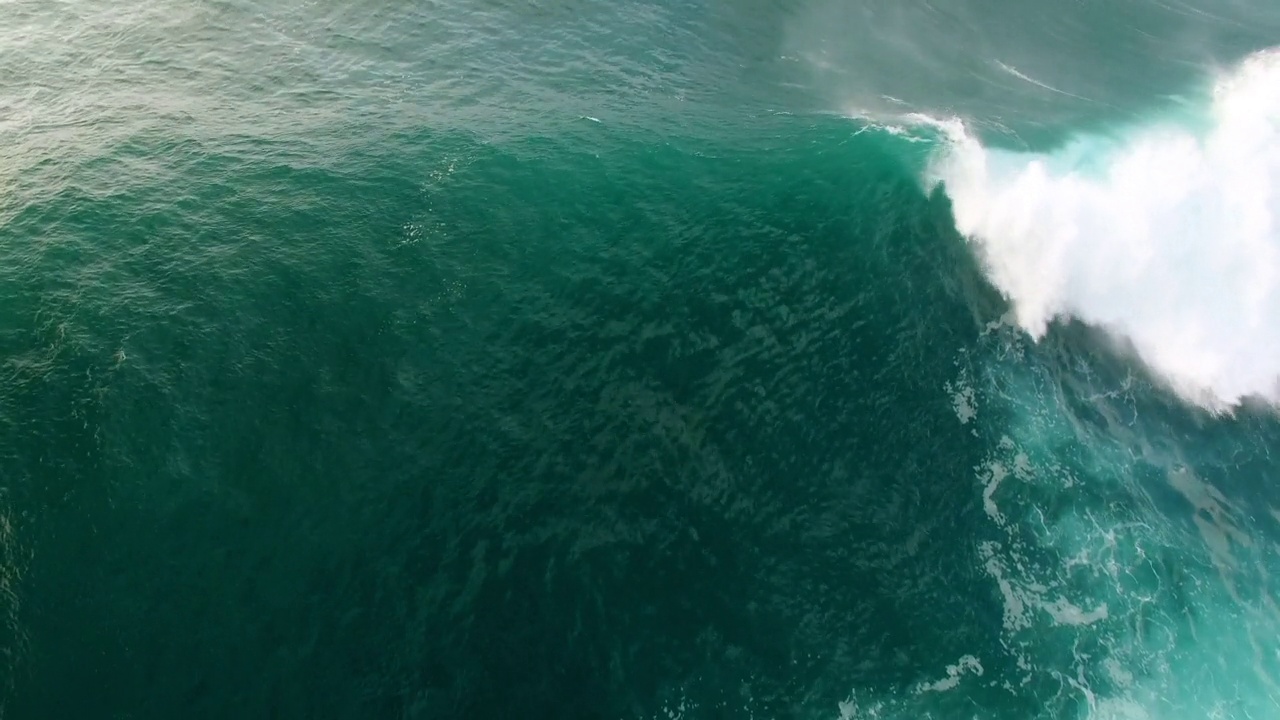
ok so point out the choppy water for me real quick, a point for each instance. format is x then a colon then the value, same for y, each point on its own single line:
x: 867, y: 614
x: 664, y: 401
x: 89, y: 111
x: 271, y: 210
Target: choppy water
x: 639, y: 360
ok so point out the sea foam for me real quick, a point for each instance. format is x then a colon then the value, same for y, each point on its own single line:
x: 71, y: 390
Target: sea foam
x: 1167, y: 235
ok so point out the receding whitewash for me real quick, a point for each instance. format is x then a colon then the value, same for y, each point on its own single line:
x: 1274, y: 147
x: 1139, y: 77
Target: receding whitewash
x: 963, y: 400
x: 1118, y: 709
x: 1065, y: 613
x: 965, y: 665
x: 1168, y: 236
x: 991, y: 475
x: 1016, y: 615
x: 850, y: 709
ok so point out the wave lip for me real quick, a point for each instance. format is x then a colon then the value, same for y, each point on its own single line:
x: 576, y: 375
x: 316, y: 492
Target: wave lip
x: 1168, y: 236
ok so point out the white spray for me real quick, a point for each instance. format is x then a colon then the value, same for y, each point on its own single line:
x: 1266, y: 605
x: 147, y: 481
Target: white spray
x: 1169, y: 237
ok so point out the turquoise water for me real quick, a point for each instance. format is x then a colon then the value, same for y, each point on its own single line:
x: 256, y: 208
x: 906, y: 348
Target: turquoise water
x: 639, y: 360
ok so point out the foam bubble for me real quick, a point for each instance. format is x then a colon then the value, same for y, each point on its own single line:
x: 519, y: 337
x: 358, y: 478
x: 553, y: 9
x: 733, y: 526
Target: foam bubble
x: 1168, y: 236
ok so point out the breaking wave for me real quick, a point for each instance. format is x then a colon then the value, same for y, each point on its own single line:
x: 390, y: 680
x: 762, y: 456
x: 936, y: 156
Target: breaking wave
x: 1166, y: 234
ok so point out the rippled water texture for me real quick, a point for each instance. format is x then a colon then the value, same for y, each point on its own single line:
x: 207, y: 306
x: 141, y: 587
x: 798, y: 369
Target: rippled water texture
x: 764, y: 359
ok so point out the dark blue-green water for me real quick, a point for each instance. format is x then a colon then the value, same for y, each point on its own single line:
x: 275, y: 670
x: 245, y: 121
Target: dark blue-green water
x: 639, y: 360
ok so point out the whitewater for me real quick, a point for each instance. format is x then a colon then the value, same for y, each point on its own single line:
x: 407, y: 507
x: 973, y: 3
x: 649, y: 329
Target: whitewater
x: 1165, y: 233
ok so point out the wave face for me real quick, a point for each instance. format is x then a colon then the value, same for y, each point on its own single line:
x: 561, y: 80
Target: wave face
x: 1165, y: 234
x: 584, y: 360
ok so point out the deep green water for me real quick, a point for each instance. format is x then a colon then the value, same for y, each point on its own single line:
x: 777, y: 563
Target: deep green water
x: 638, y: 360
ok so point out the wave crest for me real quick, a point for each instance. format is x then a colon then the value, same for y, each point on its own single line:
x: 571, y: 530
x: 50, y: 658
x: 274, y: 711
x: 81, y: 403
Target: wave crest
x: 1169, y: 235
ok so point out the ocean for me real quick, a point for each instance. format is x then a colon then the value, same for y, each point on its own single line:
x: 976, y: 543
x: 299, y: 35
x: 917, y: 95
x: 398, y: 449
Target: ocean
x: 643, y: 360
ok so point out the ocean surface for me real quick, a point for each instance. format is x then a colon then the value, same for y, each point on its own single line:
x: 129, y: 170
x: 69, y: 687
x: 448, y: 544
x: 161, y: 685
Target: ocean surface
x: 643, y: 360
